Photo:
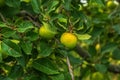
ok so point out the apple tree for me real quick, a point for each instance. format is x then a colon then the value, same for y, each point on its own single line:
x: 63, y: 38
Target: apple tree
x: 59, y: 40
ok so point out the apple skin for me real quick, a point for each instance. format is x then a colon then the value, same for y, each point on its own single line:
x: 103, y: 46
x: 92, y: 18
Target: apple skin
x: 111, y: 4
x: 46, y: 33
x: 69, y: 40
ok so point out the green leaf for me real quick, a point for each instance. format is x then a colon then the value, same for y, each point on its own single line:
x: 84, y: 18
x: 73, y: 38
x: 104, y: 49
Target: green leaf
x: 4, y: 78
x: 45, y: 49
x: 96, y: 32
x: 98, y: 2
x: 31, y: 77
x: 67, y: 4
x: 9, y: 12
x: 26, y: 46
x: 36, y: 6
x: 32, y: 36
x: 67, y: 76
x: 1, y: 57
x: 61, y: 25
x: 0, y: 52
x: 13, y: 3
x: 58, y: 77
x: 108, y: 48
x: 7, y: 32
x: 25, y: 26
x: 21, y: 61
x: 35, y: 76
x: 74, y: 57
x: 92, y: 50
x: 46, y: 66
x: 64, y: 20
x: 16, y: 72
x: 101, y: 68
x: 2, y: 24
x: 116, y: 54
x: 83, y: 36
x: 117, y: 28
x: 52, y: 6
x: 11, y: 48
x: 24, y: 60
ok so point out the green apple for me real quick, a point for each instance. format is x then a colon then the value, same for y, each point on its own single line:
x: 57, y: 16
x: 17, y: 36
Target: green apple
x: 46, y: 32
x: 112, y: 4
x: 97, y: 76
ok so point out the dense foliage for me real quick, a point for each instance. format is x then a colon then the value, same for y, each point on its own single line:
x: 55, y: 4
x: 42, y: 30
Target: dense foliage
x: 30, y: 46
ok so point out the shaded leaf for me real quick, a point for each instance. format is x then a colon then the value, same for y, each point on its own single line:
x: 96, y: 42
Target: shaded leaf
x: 67, y: 4
x: 36, y: 6
x: 98, y: 2
x: 0, y: 52
x: 96, y: 32
x: 26, y: 46
x: 52, y: 6
x: 45, y: 49
x: 108, y: 47
x: 4, y: 78
x: 74, y: 57
x: 58, y: 77
x: 24, y: 26
x: 11, y: 48
x: 23, y: 60
x: 16, y: 72
x: 117, y: 28
x: 12, y: 3
x: 116, y: 54
x: 45, y: 66
x: 9, y: 12
x: 7, y: 32
x: 101, y: 68
x: 3, y: 24
x: 67, y: 76
x: 32, y: 36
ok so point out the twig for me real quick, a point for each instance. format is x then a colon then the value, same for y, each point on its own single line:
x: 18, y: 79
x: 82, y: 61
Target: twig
x: 35, y: 23
x: 30, y: 17
x: 27, y: 13
x: 2, y: 17
x: 83, y: 53
x: 114, y: 68
x: 70, y: 68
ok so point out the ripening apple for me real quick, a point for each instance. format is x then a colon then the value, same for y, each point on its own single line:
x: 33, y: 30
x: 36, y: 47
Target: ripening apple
x: 69, y: 40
